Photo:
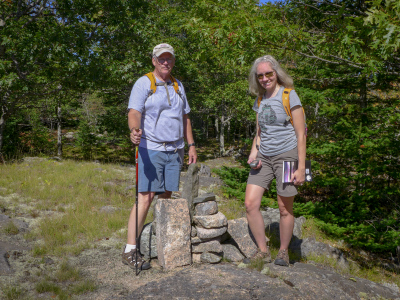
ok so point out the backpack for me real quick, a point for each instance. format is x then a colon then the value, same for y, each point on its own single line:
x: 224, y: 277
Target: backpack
x: 153, y: 86
x: 286, y: 106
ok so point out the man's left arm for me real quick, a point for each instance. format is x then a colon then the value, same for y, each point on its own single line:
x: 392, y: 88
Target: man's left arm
x: 187, y: 131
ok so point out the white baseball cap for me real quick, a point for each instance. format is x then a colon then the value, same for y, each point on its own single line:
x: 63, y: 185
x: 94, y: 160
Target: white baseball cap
x: 162, y: 48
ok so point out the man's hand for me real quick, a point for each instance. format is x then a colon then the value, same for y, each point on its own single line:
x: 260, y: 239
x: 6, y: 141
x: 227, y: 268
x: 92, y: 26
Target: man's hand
x: 192, y: 155
x: 135, y: 136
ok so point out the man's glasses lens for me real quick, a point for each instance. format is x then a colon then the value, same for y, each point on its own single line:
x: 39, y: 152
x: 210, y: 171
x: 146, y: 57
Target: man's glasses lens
x: 268, y: 75
x: 163, y: 60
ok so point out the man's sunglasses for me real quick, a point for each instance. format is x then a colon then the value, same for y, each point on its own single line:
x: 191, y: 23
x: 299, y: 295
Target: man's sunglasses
x: 163, y: 60
x: 268, y: 75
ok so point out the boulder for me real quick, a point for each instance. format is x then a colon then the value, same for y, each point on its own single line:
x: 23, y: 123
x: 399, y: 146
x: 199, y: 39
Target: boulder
x: 211, y: 221
x: 231, y: 253
x: 240, y: 232
x: 173, y: 233
x: 206, y: 208
x: 205, y: 171
x: 148, y: 242
x: 271, y: 218
x: 191, y: 187
x: 204, y: 233
x: 209, y: 246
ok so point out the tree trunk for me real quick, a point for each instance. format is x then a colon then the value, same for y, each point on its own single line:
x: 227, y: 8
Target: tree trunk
x: 207, y: 127
x: 59, y: 133
x: 216, y: 129
x: 2, y: 126
x: 222, y: 137
x: 316, y: 118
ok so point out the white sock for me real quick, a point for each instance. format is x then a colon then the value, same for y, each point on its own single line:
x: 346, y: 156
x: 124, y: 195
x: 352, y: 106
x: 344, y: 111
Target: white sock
x: 129, y: 247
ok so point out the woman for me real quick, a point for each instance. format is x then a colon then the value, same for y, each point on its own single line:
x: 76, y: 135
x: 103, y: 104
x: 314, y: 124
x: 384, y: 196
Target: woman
x: 276, y: 140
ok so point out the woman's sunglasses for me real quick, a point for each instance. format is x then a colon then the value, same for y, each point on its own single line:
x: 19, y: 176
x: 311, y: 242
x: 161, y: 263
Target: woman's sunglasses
x: 268, y: 75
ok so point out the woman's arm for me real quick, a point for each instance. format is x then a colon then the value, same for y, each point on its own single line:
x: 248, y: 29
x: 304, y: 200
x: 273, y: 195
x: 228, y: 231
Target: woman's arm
x: 256, y: 141
x: 299, y: 128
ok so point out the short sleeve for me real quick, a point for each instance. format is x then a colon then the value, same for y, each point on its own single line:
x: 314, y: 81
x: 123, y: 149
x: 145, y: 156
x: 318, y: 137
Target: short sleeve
x: 139, y: 94
x: 294, y: 99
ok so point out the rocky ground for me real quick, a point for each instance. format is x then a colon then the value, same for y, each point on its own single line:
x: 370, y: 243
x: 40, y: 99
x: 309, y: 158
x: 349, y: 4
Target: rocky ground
x: 102, y: 265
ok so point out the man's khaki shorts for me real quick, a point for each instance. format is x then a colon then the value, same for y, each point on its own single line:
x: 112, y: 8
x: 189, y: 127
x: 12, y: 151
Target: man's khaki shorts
x: 272, y: 168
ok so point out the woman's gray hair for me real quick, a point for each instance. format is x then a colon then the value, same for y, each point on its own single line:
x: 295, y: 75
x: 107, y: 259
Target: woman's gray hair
x: 284, y: 78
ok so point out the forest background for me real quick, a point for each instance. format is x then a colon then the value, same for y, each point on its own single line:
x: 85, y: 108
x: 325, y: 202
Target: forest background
x: 69, y: 66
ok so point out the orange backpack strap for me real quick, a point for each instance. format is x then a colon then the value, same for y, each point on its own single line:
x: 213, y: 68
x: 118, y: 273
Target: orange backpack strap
x: 259, y: 100
x: 176, y: 86
x: 286, y: 106
x: 153, y: 86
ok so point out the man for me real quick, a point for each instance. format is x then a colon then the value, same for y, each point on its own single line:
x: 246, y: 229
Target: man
x: 163, y: 123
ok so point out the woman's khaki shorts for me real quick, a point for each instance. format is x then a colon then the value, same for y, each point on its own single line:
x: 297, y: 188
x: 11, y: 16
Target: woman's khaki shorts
x: 272, y: 168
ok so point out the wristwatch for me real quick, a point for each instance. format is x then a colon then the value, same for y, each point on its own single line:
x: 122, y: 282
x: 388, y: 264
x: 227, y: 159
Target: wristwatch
x: 190, y: 145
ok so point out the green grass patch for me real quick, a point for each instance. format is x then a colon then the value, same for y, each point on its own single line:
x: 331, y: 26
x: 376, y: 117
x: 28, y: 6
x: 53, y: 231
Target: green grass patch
x: 10, y: 228
x: 83, y: 287
x: 67, y: 272
x: 72, y: 194
x: 13, y: 292
x: 46, y: 286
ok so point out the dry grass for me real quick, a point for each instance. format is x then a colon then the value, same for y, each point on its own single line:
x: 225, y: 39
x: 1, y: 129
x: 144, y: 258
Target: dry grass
x: 71, y: 196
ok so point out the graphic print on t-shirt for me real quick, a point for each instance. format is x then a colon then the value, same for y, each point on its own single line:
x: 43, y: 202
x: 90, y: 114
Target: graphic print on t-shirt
x: 267, y: 116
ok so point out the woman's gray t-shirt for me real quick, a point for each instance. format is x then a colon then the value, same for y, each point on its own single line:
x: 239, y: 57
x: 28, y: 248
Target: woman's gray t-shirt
x: 277, y: 134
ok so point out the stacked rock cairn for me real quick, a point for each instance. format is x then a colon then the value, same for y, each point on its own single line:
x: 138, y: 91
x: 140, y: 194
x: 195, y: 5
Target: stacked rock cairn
x: 208, y: 229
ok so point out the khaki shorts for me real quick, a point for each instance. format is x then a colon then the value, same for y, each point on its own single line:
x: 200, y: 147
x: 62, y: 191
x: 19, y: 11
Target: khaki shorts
x: 272, y: 168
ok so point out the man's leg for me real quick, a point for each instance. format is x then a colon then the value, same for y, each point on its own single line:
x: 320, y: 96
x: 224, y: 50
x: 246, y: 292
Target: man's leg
x: 145, y: 200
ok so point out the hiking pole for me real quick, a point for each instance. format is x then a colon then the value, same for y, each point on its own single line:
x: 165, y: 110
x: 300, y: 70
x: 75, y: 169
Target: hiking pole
x: 137, y: 203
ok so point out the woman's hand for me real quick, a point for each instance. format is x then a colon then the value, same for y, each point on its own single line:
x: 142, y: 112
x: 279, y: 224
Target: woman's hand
x: 299, y: 177
x: 251, y: 159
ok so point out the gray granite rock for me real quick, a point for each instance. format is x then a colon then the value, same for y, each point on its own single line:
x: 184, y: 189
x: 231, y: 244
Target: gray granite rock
x: 209, y: 246
x: 211, y: 221
x: 193, y: 233
x: 210, y: 258
x: 191, y: 187
x: 204, y: 198
x: 205, y: 170
x: 231, y: 253
x: 206, y: 208
x: 148, y: 242
x: 271, y: 218
x: 240, y: 232
x: 173, y: 233
x: 204, y: 233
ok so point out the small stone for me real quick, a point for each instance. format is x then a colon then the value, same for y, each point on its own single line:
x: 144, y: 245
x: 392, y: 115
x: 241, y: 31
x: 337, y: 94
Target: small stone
x: 204, y: 198
x: 210, y: 258
x: 193, y: 233
x: 265, y: 271
x: 212, y: 221
x: 242, y: 266
x: 206, y: 208
x: 210, y: 246
x: 203, y: 233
